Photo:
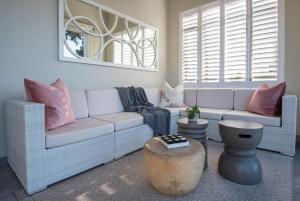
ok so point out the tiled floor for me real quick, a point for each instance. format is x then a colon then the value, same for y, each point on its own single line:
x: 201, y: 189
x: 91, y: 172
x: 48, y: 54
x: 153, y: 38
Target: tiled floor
x: 9, y: 182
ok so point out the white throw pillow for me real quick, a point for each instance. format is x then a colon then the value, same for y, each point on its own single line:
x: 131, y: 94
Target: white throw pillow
x: 172, y: 97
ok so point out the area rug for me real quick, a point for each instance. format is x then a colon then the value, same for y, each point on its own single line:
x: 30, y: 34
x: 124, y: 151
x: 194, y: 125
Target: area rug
x: 125, y: 179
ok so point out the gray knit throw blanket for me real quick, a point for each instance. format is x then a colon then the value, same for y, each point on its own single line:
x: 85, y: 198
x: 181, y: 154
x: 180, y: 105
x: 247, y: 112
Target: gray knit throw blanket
x: 134, y: 99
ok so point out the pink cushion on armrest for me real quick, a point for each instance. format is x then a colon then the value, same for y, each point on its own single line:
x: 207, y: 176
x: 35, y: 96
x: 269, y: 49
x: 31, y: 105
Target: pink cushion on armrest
x: 56, y: 97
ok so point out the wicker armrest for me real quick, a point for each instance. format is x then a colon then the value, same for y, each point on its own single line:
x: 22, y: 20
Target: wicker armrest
x: 289, y: 113
x: 25, y: 125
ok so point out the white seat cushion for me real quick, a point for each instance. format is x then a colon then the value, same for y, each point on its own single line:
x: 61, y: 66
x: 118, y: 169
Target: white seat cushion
x: 79, y: 104
x: 247, y: 116
x: 80, y: 130
x: 209, y: 113
x: 123, y: 120
x: 176, y: 111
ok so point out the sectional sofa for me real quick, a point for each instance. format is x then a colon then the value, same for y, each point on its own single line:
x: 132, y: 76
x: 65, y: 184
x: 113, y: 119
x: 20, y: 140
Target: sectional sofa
x: 103, y: 132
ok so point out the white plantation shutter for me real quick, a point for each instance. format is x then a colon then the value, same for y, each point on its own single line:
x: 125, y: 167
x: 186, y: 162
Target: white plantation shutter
x: 149, y: 53
x: 137, y: 40
x: 264, y: 40
x: 123, y: 53
x: 189, y: 55
x: 235, y: 40
x: 233, y: 43
x: 211, y: 47
x: 117, y: 51
x: 126, y: 51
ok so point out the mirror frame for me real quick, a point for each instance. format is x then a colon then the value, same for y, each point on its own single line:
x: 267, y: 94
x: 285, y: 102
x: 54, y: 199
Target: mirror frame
x: 98, y: 62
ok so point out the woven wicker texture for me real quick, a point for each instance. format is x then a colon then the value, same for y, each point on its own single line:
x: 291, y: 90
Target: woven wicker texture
x: 37, y: 167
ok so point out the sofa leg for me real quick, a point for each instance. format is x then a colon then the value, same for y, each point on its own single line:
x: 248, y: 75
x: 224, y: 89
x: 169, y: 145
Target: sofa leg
x: 31, y: 192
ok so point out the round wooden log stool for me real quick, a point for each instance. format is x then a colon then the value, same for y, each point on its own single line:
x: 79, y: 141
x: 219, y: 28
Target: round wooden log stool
x: 173, y: 171
x: 196, y: 130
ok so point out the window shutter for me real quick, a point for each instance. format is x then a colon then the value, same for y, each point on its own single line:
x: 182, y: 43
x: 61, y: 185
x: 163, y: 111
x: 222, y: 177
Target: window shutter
x: 189, y: 55
x: 232, y: 42
x: 137, y: 39
x: 264, y: 40
x: 127, y: 54
x: 149, y: 53
x: 210, y: 69
x: 235, y: 60
x: 117, y: 51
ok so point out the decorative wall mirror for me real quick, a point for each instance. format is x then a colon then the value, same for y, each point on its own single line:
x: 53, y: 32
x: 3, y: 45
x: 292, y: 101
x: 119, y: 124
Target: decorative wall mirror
x: 94, y: 34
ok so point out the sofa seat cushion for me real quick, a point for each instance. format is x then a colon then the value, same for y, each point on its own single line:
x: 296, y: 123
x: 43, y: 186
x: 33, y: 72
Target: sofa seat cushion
x: 247, y: 116
x: 176, y: 111
x: 209, y: 113
x: 80, y: 130
x: 123, y: 120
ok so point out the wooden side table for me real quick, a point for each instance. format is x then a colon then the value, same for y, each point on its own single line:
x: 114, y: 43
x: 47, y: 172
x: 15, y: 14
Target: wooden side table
x: 195, y: 129
x: 173, y: 171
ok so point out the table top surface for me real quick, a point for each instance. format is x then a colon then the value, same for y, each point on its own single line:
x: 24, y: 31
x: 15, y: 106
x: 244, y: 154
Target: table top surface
x: 200, y: 123
x: 154, y: 145
x: 241, y: 124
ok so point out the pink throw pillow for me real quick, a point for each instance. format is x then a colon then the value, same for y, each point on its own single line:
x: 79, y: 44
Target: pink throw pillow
x: 56, y: 98
x: 267, y: 100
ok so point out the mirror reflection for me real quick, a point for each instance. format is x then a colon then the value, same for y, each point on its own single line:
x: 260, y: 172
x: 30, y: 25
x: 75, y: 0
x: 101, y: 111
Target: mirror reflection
x: 96, y: 34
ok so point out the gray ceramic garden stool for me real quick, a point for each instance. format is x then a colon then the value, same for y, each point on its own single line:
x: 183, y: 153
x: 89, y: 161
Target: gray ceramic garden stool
x: 196, y: 130
x: 238, y: 162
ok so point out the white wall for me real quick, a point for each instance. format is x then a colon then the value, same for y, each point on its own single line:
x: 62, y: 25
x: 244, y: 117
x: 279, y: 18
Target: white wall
x: 29, y: 48
x: 292, y: 43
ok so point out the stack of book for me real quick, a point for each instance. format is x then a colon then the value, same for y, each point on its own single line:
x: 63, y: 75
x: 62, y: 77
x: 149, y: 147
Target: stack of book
x: 174, y: 141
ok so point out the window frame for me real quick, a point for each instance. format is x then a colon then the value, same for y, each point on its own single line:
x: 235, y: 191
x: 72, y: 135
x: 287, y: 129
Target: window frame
x: 235, y: 84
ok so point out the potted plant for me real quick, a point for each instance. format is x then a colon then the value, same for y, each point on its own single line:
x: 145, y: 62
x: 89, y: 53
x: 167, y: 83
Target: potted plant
x: 193, y: 113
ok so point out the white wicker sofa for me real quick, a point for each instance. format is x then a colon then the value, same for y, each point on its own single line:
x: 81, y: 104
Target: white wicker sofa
x: 231, y: 104
x: 104, y: 132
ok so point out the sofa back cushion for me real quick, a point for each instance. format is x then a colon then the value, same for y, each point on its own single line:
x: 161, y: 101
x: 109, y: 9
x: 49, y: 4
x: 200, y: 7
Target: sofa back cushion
x: 215, y: 98
x: 242, y: 98
x: 190, y: 97
x: 79, y: 104
x: 104, y: 101
x: 153, y: 95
